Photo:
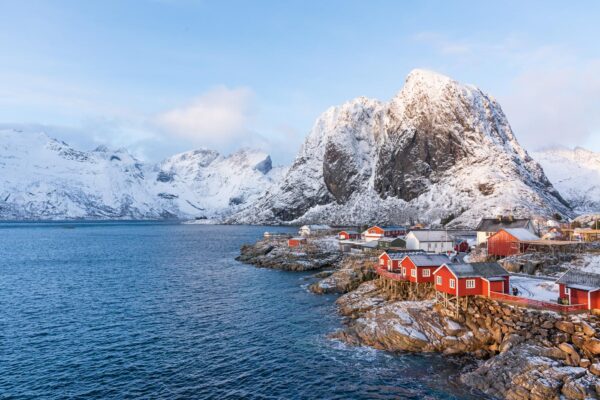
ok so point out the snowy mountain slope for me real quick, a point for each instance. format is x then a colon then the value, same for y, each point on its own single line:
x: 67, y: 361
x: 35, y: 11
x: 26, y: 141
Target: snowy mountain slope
x: 42, y: 178
x: 438, y: 149
x: 576, y: 174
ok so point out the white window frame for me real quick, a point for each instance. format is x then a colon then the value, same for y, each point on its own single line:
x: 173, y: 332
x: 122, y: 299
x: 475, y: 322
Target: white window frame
x: 470, y: 283
x: 413, y: 273
x: 452, y: 284
x: 426, y: 273
x: 568, y: 291
x: 438, y: 280
x: 403, y: 270
x: 381, y: 262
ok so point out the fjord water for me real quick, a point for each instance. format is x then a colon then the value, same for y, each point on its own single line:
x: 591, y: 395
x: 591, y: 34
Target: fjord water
x: 158, y: 310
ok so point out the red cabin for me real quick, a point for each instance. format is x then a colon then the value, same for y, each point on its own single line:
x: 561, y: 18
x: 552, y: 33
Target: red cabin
x: 296, y: 241
x: 462, y: 246
x: 378, y: 232
x: 578, y: 287
x: 507, y: 242
x: 471, y: 279
x: 391, y: 259
x: 419, y: 267
x: 348, y: 235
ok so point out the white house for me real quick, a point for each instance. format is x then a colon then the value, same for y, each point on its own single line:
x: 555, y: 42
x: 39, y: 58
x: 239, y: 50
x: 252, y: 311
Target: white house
x: 430, y: 240
x: 307, y: 230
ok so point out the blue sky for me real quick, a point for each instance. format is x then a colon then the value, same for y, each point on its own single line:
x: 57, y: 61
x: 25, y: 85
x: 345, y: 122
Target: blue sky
x: 164, y: 76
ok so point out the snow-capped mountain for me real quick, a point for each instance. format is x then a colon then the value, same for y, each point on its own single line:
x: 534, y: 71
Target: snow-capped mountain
x: 439, y: 150
x: 43, y: 178
x: 576, y: 174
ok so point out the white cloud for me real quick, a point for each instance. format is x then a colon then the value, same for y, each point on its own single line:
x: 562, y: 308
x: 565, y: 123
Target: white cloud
x: 217, y: 117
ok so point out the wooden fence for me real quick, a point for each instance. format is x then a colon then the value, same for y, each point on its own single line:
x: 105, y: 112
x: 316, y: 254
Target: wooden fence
x: 537, y: 304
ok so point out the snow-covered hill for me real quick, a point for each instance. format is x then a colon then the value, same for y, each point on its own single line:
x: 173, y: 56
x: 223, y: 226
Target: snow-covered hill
x: 437, y: 150
x: 576, y: 175
x: 43, y: 178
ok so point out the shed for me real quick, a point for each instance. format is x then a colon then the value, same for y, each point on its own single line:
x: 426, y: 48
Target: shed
x: 488, y: 226
x: 348, y: 235
x: 296, y: 241
x: 579, y: 287
x: 507, y: 242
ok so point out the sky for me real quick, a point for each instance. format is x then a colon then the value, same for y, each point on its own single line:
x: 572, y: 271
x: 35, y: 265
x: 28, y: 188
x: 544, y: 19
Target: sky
x: 165, y: 76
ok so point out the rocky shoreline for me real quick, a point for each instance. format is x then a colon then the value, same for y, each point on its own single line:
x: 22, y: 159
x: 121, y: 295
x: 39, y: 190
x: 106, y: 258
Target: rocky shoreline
x: 522, y: 353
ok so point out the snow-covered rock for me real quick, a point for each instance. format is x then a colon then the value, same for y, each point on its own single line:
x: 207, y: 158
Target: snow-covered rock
x: 43, y: 178
x: 437, y: 149
x: 576, y: 174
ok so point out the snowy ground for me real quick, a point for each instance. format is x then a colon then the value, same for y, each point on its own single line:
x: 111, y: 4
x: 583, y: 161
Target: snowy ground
x: 591, y: 263
x: 536, y: 289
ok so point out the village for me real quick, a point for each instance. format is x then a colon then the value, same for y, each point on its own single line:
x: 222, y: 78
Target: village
x: 507, y: 259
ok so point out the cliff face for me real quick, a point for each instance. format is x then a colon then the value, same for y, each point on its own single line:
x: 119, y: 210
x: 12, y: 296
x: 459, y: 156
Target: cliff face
x: 437, y: 148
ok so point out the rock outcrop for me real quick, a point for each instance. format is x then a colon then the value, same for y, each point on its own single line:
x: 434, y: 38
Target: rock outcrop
x: 528, y: 354
x: 274, y: 253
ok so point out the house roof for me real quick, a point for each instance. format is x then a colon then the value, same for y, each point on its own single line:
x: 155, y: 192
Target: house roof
x: 393, y: 228
x: 495, y: 224
x: 400, y: 254
x: 429, y: 260
x: 432, y: 236
x: 350, y: 232
x: 471, y: 270
x: 390, y: 239
x: 521, y: 233
x: 581, y: 279
x: 315, y: 227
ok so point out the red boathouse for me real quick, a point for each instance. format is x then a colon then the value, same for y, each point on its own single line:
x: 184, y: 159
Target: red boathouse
x: 471, y: 279
x: 348, y: 235
x: 296, y: 241
x: 578, y: 287
x: 419, y: 268
x: 507, y: 242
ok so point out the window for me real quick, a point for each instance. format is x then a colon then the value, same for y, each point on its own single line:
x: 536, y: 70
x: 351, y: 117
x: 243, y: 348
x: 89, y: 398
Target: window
x: 470, y: 283
x: 381, y: 261
x: 452, y: 283
x: 389, y: 263
x: 438, y: 280
x: 413, y: 273
x: 403, y: 270
x: 426, y: 273
x: 568, y: 291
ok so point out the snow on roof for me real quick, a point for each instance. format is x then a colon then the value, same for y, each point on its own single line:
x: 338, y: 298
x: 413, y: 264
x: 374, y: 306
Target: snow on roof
x: 431, y: 236
x: 521, y: 234
x: 484, y: 270
x: 429, y: 260
x: 580, y: 279
x: 350, y: 232
x: 390, y: 239
x: 495, y: 224
x: 393, y: 228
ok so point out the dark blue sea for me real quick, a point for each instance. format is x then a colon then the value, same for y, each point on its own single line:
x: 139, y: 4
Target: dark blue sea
x: 160, y: 310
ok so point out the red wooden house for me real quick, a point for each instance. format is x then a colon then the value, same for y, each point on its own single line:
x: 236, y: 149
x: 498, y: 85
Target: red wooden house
x: 471, y: 279
x: 348, y: 235
x: 391, y: 259
x: 296, y: 241
x: 578, y: 287
x: 419, y: 268
x: 507, y: 242
x: 378, y: 232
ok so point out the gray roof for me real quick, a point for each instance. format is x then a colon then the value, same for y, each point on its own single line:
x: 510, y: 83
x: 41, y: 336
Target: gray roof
x: 429, y: 260
x: 484, y: 270
x: 580, y: 278
x: 400, y: 254
x: 350, y: 232
x: 495, y: 224
x: 521, y: 234
x: 390, y: 239
x: 432, y: 236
